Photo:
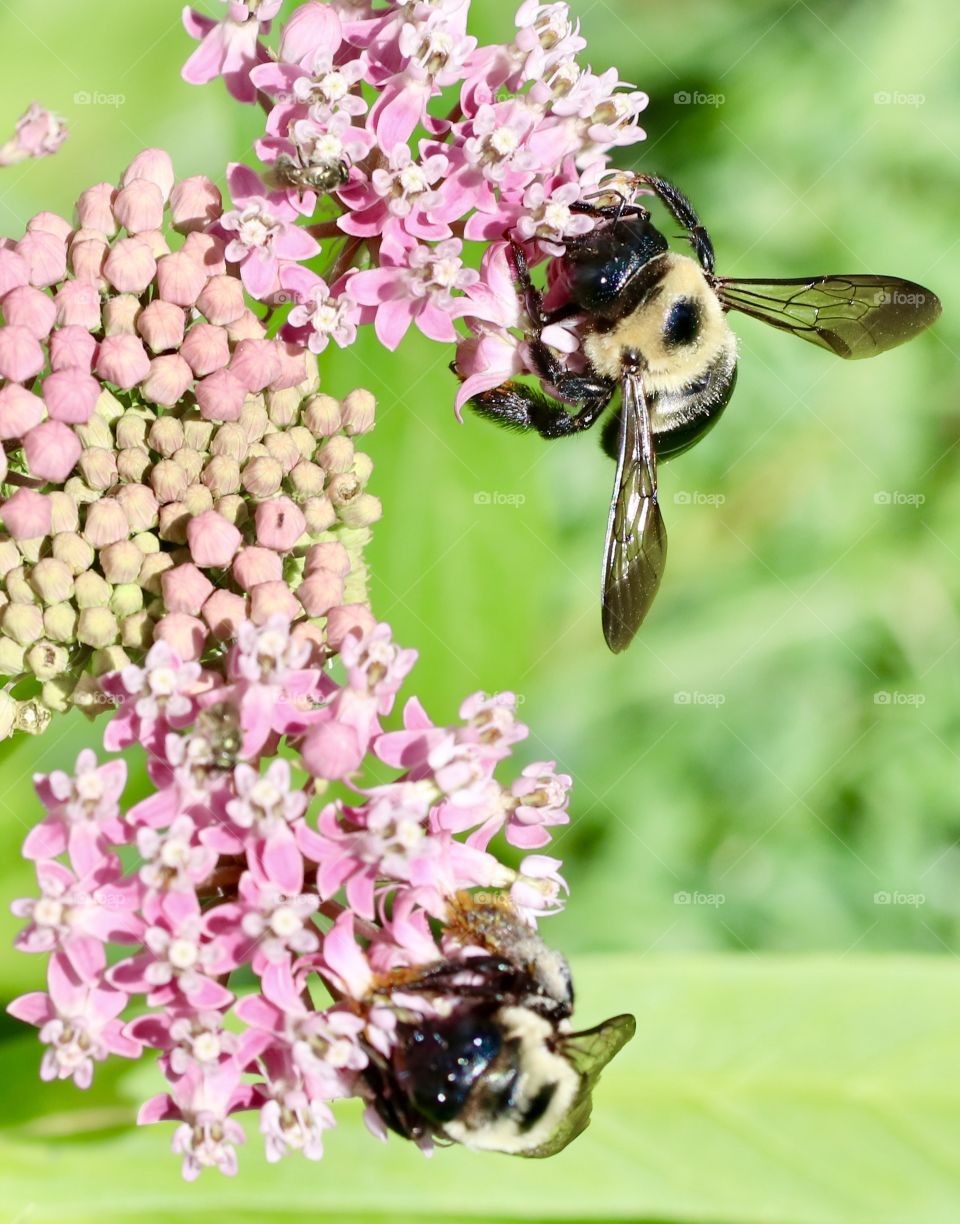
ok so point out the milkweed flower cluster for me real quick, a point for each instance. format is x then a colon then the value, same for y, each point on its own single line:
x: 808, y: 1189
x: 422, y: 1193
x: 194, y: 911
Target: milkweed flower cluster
x: 39, y: 133
x: 243, y: 868
x: 168, y: 469
x: 409, y: 140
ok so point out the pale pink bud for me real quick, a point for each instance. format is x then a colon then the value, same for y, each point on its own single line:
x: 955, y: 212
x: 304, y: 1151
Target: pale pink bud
x: 133, y: 464
x: 221, y: 301
x: 255, y: 565
x: 328, y: 555
x: 155, y: 166
x: 78, y: 304
x: 185, y: 589
x: 130, y: 266
x: 207, y: 250
x: 173, y: 522
x: 320, y: 592
x: 20, y: 410
x: 180, y: 278
x: 120, y: 315
x: 18, y: 589
x: 70, y: 395
x: 126, y: 599
x: 9, y: 557
x: 123, y: 361
x: 254, y: 418
x: 52, y: 449
x: 307, y: 478
x: 361, y: 511
x: 23, y: 623
x: 283, y: 406
x: 121, y: 562
x: 342, y: 489
x: 283, y: 448
x: 321, y: 415
x: 336, y: 454
x: 313, y: 635
x: 319, y: 513
x: 198, y: 499
x: 156, y: 240
x: 362, y: 467
x: 64, y: 512
x: 13, y: 271
x: 139, y: 206
x: 51, y: 223
x: 194, y: 204
x: 168, y: 380
x: 91, y: 590
x: 341, y: 621
x: 255, y: 363
x: 224, y: 613
x: 95, y: 208
x: 98, y: 467
x: 161, y: 324
x: 279, y: 524
x: 205, y: 349
x: 46, y: 660
x: 191, y: 461
x: 168, y: 481
x: 222, y: 475
x: 74, y: 551
x: 272, y: 599
x: 166, y: 436
x: 52, y: 580
x: 46, y: 257
x: 262, y: 476
x: 137, y: 631
x: 60, y: 622
x: 139, y: 506
x: 293, y: 366
x: 220, y: 396
x: 247, y: 327
x: 213, y: 541
x: 21, y: 356
x: 27, y: 514
x: 87, y: 258
x: 332, y: 750
x: 197, y: 433
x: 230, y: 439
x: 358, y: 411
x: 154, y: 566
x: 186, y: 635
x: 97, y: 627
x: 30, y: 308
x: 105, y: 523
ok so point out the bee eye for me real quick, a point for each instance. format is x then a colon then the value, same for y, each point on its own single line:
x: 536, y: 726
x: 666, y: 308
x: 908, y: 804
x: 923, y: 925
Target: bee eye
x: 682, y: 324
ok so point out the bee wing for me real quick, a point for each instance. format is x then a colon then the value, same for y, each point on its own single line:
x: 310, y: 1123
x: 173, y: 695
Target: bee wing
x: 636, y: 546
x: 852, y: 316
x: 588, y: 1052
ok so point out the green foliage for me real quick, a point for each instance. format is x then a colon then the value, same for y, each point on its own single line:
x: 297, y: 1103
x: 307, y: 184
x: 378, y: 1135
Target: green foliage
x: 773, y: 811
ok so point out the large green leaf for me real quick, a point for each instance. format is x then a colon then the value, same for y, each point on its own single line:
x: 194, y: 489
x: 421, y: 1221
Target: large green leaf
x: 801, y: 1091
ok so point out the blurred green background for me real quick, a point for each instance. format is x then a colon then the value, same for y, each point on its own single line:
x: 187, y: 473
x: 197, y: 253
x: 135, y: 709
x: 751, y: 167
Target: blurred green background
x: 770, y: 772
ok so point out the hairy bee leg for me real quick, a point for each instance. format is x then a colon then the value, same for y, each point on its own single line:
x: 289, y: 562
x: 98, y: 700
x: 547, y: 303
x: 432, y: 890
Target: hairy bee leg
x: 610, y: 212
x: 684, y: 214
x: 516, y: 406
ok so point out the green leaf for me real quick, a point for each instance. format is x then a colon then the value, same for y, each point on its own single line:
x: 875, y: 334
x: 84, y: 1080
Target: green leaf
x: 757, y: 1091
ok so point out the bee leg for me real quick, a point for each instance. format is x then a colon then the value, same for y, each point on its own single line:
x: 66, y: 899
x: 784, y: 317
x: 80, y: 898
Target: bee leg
x: 516, y: 406
x: 683, y: 212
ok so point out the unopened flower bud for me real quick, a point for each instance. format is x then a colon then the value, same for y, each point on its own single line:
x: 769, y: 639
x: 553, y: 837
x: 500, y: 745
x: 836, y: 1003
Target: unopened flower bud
x: 60, y: 622
x: 98, y: 467
x: 26, y: 515
x: 362, y: 511
x: 18, y: 588
x: 254, y: 419
x: 64, y: 512
x: 95, y: 432
x: 332, y: 750
x: 283, y: 448
x: 30, y: 550
x: 279, y: 524
x: 247, y: 327
x: 169, y: 481
x: 305, y: 442
x: 139, y: 206
x: 185, y: 589
x: 47, y: 660
x: 121, y: 562
x: 307, y: 479
x: 283, y: 406
x: 358, y: 411
x: 91, y: 590
x: 154, y: 565
x: 173, y: 522
x: 319, y: 514
x: 262, y: 476
x: 362, y: 467
x: 191, y: 461
x: 51, y: 450
x: 165, y: 436
x: 336, y: 454
x: 342, y: 489
x: 161, y: 324
x: 194, y: 203
x: 95, y: 208
x: 221, y: 301
x: 137, y: 631
x: 272, y: 599
x: 197, y: 433
x: 105, y: 523
x: 127, y: 598
x: 22, y: 622
x: 233, y: 508
x: 122, y: 360
x: 222, y: 475
x: 78, y: 309
x: 224, y: 613
x: 109, y: 659
x: 120, y: 315
x: 180, y: 278
x: 97, y: 627
x: 320, y: 592
x: 206, y: 349
x: 155, y: 166
x: 139, y: 505
x: 9, y: 557
x: 80, y: 492
x: 131, y: 429
x: 30, y: 308
x: 186, y: 635
x: 76, y: 553
x: 169, y: 378
x: 52, y: 580
x: 56, y: 693
x: 88, y: 255
x: 343, y: 620
x: 130, y: 265
x: 208, y: 251
x: 253, y: 565
x: 133, y: 464
x: 321, y: 415
x: 12, y: 655
x: 213, y: 540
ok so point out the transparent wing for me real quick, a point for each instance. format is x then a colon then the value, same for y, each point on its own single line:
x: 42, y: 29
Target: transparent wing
x: 852, y: 316
x: 588, y: 1053
x: 636, y: 547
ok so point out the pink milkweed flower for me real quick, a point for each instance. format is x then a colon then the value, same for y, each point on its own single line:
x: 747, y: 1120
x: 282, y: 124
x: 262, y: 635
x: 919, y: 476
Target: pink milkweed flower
x: 319, y: 316
x: 260, y: 233
x: 229, y: 48
x: 174, y: 858
x: 83, y: 813
x: 417, y: 288
x: 541, y: 796
x: 189, y: 1039
x: 77, y: 1021
x: 160, y: 694
x: 538, y: 887
x: 39, y: 134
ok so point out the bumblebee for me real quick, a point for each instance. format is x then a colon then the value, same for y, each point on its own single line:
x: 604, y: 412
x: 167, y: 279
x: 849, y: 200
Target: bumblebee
x: 653, y: 325
x: 494, y: 1066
